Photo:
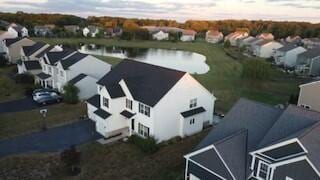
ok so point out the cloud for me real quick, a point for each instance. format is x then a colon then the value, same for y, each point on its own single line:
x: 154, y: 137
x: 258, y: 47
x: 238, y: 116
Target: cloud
x: 180, y: 10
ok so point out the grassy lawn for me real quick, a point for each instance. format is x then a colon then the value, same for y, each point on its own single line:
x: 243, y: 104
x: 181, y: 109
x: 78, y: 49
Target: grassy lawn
x: 9, y: 90
x: 224, y: 77
x: 13, y: 124
x: 117, y: 161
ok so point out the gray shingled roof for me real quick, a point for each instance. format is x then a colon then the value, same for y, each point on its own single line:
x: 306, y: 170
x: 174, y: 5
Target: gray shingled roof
x: 78, y: 78
x: 73, y: 59
x: 32, y: 65
x: 11, y: 41
x: 312, y: 53
x: 56, y: 56
x: 265, y: 125
x: 43, y: 52
x: 147, y: 83
x: 288, y: 47
x: 94, y: 100
x: 29, y: 50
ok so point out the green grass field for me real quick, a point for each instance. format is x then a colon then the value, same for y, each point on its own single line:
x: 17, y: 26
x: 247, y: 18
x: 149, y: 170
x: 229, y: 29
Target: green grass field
x: 224, y: 77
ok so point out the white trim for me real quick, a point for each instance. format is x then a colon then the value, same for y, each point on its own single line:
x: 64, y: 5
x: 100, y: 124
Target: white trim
x: 224, y: 163
x: 207, y: 169
x: 198, y: 151
x: 206, y: 149
x: 275, y: 146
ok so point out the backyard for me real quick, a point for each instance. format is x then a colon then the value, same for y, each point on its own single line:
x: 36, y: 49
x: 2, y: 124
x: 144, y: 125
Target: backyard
x: 224, y: 78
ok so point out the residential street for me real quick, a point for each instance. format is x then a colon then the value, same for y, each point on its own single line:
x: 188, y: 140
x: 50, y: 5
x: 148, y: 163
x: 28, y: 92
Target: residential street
x: 18, y: 105
x: 54, y: 139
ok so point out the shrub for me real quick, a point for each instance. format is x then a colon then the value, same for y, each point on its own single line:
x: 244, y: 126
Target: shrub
x: 71, y: 158
x: 70, y: 94
x: 3, y: 60
x: 148, y: 145
x: 24, y: 78
x: 257, y: 69
x: 227, y: 44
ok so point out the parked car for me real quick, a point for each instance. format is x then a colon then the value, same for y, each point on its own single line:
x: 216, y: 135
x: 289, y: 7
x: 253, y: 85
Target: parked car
x: 49, y: 99
x: 38, y: 93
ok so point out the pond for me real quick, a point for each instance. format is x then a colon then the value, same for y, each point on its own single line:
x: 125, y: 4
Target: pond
x: 190, y: 62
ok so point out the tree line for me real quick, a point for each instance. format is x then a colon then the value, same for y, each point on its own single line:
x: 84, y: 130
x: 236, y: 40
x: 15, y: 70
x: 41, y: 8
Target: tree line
x: 279, y: 29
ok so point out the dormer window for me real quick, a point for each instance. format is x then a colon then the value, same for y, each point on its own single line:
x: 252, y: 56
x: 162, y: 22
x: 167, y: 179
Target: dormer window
x: 263, y: 171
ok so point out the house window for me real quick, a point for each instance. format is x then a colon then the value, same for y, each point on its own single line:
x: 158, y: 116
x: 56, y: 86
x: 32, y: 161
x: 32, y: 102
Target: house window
x: 193, y: 103
x: 49, y: 70
x: 191, y: 121
x: 143, y: 130
x: 132, y: 124
x: 128, y: 104
x: 61, y: 73
x: 105, y: 102
x: 263, y: 170
x: 144, y: 109
x: 44, y: 68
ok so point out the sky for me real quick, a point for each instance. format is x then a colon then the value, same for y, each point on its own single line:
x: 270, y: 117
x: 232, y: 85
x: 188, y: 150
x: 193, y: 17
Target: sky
x: 180, y: 10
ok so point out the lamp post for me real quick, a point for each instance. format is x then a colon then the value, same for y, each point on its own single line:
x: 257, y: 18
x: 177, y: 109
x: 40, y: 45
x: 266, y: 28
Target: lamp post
x: 43, y: 112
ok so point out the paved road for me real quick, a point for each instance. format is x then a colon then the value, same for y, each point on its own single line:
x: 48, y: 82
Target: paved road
x: 55, y: 139
x: 18, y: 105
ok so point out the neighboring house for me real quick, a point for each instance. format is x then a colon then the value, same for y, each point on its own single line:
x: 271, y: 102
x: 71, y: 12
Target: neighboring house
x: 188, y: 35
x: 90, y: 31
x: 33, y: 67
x: 266, y: 48
x: 309, y: 96
x: 18, y: 30
x: 288, y: 54
x: 12, y: 48
x: 308, y: 63
x: 235, y: 37
x: 45, y: 30
x: 293, y: 39
x: 154, y: 29
x: 253, y: 43
x: 244, y: 42
x: 259, y: 142
x: 72, y: 28
x: 213, y: 36
x: 60, y: 67
x: 160, y: 36
x: 150, y: 101
x: 266, y: 36
x: 311, y: 42
x: 30, y: 52
x: 113, y: 32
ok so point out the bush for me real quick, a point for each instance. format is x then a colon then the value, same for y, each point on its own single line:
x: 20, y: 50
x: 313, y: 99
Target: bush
x: 24, y: 78
x: 70, y: 94
x: 3, y: 60
x: 71, y: 158
x: 227, y: 44
x: 148, y: 145
x: 257, y: 69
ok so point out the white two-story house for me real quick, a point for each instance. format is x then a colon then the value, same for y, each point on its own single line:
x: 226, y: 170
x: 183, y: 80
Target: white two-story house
x: 18, y: 30
x: 61, y: 67
x: 150, y: 101
x: 288, y: 54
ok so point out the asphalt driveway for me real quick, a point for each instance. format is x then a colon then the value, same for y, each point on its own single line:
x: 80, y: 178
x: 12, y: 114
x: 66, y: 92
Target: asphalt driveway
x: 18, y: 105
x: 52, y: 140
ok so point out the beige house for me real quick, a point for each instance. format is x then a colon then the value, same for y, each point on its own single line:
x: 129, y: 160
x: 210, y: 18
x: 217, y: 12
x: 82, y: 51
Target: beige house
x: 309, y: 96
x: 12, y: 48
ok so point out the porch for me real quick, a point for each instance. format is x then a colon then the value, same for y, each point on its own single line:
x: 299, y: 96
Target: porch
x: 45, y: 80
